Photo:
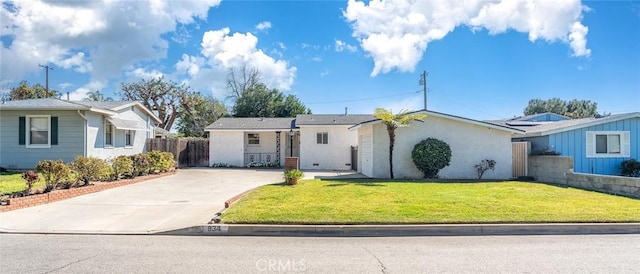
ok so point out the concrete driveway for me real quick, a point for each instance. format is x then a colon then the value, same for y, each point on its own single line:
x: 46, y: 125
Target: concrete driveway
x: 190, y: 197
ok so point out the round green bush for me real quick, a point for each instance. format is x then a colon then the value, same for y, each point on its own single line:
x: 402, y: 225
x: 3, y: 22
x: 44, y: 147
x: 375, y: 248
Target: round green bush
x: 430, y: 156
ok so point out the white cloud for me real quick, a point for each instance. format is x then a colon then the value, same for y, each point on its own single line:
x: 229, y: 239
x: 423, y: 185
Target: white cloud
x: 142, y: 73
x: 65, y: 85
x: 222, y: 51
x: 325, y: 73
x: 316, y: 59
x: 190, y: 64
x: 396, y: 33
x: 82, y: 92
x: 341, y: 46
x: 263, y: 26
x: 97, y: 37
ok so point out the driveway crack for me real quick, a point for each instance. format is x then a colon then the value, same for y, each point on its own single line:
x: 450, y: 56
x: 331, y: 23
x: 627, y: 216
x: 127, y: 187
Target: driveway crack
x: 383, y: 268
x: 72, y: 263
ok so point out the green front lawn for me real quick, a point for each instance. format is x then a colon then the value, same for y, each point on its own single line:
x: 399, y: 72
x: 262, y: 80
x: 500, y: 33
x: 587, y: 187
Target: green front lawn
x: 11, y: 182
x: 406, y: 202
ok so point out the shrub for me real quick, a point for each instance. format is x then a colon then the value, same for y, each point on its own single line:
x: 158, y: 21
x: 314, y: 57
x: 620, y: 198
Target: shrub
x: 483, y: 166
x: 121, y: 166
x: 630, y: 168
x: 161, y: 161
x: 32, y: 178
x: 141, y: 164
x: 54, y: 173
x: 292, y: 176
x: 220, y: 165
x: 430, y: 156
x: 544, y: 152
x: 90, y: 169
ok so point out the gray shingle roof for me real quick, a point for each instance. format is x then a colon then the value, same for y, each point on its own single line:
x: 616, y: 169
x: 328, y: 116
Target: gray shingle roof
x: 44, y: 104
x: 251, y: 123
x: 106, y: 104
x: 332, y: 119
x: 542, y: 128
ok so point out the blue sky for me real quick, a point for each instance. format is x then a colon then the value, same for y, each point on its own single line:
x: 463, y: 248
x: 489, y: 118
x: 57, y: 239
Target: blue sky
x: 485, y: 60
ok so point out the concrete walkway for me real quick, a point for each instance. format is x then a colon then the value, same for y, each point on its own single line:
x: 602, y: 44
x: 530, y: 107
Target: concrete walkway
x: 191, y: 197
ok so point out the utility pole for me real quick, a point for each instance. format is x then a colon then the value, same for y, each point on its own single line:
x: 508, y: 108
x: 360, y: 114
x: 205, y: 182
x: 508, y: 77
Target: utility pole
x: 47, y: 68
x: 423, y: 83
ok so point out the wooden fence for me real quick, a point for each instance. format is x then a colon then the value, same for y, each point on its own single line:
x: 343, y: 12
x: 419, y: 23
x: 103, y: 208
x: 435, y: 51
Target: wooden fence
x: 186, y: 151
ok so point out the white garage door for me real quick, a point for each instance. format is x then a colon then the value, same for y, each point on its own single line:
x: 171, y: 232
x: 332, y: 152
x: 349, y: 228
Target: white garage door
x: 366, y: 154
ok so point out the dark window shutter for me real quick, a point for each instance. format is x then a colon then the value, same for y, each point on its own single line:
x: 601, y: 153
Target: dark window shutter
x: 21, y: 130
x: 54, y: 130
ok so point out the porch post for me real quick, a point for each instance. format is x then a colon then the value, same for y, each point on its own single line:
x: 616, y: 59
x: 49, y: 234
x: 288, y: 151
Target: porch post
x: 278, y: 147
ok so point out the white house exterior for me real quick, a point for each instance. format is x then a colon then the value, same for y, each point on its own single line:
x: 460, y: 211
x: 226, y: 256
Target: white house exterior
x: 322, y: 142
x: 51, y: 129
x: 470, y: 141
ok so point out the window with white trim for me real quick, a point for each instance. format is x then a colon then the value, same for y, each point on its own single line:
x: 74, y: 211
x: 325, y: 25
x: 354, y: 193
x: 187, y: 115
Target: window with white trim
x: 253, y: 138
x: 603, y: 144
x: 108, y: 134
x: 128, y: 138
x: 38, y: 131
x: 322, y: 138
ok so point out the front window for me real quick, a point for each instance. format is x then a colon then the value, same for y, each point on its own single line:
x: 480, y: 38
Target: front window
x: 108, y: 134
x: 253, y: 139
x: 322, y: 138
x: 607, y: 143
x: 38, y: 129
x: 128, y: 138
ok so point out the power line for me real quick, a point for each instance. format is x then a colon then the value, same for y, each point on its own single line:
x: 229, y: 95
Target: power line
x: 362, y: 99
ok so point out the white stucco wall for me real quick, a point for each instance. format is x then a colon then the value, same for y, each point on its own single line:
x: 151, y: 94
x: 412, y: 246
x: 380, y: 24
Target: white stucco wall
x: 365, y: 150
x: 95, y: 135
x: 336, y: 155
x: 226, y: 147
x: 469, y: 145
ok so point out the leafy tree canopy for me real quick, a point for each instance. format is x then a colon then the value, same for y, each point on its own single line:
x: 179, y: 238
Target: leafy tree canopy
x: 259, y: 101
x: 97, y: 96
x: 204, y: 111
x: 573, y: 109
x: 24, y: 91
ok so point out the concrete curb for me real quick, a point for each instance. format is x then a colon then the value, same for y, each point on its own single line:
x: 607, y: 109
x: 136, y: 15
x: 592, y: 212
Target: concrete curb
x: 406, y: 230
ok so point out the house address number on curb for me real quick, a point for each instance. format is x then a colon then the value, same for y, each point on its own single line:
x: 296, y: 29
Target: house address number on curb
x: 215, y: 229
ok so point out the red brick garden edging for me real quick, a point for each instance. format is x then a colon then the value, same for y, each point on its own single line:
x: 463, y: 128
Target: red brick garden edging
x: 62, y: 194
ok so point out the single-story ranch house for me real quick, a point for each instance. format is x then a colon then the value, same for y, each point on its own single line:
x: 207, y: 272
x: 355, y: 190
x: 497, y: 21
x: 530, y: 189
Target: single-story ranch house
x: 359, y: 142
x: 321, y: 141
x: 51, y: 129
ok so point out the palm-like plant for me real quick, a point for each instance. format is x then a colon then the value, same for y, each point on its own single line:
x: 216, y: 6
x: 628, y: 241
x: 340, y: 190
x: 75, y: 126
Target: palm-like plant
x: 394, y: 121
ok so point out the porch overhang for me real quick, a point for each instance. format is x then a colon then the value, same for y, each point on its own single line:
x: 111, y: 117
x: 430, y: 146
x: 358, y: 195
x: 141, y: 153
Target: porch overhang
x: 124, y: 124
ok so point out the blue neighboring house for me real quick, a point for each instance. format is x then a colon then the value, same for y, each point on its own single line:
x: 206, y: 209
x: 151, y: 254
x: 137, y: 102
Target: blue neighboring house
x: 598, y: 145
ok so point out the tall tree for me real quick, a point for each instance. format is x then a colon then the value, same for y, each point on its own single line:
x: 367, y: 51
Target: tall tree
x: 242, y: 79
x: 25, y: 91
x: 97, y: 96
x: 203, y: 111
x: 259, y: 101
x: 165, y: 97
x: 393, y: 122
x: 573, y: 109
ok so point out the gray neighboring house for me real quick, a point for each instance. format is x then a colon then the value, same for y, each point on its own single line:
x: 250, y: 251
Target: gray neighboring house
x: 51, y: 129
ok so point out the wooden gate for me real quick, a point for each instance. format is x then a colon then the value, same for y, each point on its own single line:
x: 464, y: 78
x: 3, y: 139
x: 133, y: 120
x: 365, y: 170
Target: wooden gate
x: 187, y: 152
x: 520, y: 154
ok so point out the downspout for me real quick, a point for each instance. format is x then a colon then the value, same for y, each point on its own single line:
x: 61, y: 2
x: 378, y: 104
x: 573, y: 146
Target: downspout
x: 84, y: 148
